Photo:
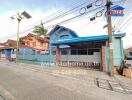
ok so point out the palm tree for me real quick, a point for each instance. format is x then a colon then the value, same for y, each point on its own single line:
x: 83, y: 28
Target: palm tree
x: 40, y: 30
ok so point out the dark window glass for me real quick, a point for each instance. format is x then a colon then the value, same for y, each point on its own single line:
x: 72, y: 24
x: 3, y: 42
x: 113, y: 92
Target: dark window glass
x: 64, y: 52
x: 130, y: 53
x: 73, y: 52
x: 96, y: 50
x: 82, y: 52
x: 90, y: 52
x: 64, y: 36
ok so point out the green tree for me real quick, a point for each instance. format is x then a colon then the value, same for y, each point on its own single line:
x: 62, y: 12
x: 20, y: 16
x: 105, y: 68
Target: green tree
x: 21, y: 40
x: 40, y: 30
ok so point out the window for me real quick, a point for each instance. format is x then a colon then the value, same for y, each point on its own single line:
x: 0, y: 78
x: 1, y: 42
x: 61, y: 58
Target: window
x: 64, y: 36
x: 34, y: 43
x: 130, y: 53
x: 73, y: 52
x: 28, y: 43
x: 96, y: 50
x: 64, y: 52
x: 90, y: 52
x: 82, y: 52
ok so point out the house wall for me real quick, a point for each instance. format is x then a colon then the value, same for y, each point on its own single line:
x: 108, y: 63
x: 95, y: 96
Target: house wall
x: 33, y: 42
x: 117, y: 53
x: 61, y: 33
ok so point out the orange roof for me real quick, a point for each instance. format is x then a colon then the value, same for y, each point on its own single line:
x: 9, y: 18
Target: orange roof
x: 37, y: 37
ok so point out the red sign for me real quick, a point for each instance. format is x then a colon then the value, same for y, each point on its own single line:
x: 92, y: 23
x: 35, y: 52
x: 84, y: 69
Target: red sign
x: 117, y: 12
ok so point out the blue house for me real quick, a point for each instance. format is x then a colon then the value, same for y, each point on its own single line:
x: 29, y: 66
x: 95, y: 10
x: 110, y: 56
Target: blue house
x: 90, y: 52
x: 60, y: 32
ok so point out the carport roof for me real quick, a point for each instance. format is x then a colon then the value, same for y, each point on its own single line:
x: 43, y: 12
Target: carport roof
x: 85, y: 39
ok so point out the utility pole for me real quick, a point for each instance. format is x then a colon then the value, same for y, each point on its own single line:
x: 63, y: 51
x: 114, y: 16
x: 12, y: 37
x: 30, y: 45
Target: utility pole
x: 19, y: 17
x: 111, y: 64
x: 17, y: 46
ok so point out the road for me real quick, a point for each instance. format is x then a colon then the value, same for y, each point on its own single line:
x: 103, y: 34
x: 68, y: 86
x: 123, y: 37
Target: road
x: 20, y: 82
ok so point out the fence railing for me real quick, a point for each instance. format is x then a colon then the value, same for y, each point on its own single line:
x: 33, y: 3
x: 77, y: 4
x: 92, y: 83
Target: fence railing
x: 45, y: 60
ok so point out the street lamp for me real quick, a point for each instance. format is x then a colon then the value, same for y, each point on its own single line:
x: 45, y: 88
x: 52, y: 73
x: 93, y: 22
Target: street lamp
x: 19, y: 17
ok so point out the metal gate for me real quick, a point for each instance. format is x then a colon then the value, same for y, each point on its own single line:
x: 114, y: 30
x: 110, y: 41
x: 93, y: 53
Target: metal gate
x: 88, y: 58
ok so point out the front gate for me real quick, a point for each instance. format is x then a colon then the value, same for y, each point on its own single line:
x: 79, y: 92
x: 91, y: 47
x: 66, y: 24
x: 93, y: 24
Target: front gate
x: 87, y: 58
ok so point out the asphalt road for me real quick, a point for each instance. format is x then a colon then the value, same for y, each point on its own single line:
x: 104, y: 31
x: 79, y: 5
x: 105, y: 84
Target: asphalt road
x: 20, y: 83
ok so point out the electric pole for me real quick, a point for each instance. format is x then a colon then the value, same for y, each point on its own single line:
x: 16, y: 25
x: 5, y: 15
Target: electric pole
x: 19, y: 17
x: 111, y: 64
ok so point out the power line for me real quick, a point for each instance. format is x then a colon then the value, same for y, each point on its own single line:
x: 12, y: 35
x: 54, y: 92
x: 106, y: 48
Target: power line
x: 67, y: 12
x: 70, y: 11
x: 56, y: 14
x: 67, y: 19
x: 79, y: 15
x: 64, y: 13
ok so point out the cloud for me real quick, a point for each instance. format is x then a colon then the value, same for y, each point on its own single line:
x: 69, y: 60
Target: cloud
x: 8, y: 27
x: 83, y: 27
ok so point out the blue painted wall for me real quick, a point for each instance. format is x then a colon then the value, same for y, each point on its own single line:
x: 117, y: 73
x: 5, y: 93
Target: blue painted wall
x: 118, y: 53
x: 61, y: 34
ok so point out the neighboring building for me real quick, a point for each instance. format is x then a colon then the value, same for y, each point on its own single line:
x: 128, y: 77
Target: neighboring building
x: 31, y: 44
x: 36, y: 42
x: 7, y: 50
x: 90, y: 52
x: 34, y: 48
x: 2, y: 45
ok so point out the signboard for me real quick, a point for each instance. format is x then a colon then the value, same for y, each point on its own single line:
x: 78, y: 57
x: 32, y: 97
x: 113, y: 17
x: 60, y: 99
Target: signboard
x: 117, y: 11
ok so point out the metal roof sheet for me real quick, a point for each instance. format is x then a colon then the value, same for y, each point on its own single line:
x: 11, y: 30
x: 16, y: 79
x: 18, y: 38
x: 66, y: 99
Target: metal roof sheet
x: 85, y: 39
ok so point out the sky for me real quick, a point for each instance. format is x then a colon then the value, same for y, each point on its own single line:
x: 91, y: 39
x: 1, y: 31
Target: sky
x: 40, y: 9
